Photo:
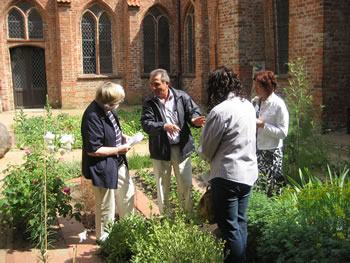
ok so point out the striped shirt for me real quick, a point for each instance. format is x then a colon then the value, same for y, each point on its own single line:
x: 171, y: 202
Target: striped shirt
x: 118, y: 133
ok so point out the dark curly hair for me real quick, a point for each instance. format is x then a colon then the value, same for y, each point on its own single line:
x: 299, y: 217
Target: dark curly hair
x: 221, y: 82
x: 267, y: 80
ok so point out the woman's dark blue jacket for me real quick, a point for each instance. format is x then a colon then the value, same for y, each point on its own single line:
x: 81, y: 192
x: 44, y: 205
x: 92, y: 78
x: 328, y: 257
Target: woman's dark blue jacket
x: 97, y: 130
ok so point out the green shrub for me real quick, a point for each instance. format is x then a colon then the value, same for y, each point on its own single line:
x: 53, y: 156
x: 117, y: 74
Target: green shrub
x: 123, y: 235
x: 261, y: 210
x: 69, y: 170
x: 29, y: 131
x: 23, y: 194
x: 308, y: 223
x: 325, y: 205
x: 303, y: 146
x: 135, y: 239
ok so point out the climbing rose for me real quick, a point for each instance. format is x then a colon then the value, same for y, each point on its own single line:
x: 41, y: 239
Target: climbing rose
x: 66, y: 190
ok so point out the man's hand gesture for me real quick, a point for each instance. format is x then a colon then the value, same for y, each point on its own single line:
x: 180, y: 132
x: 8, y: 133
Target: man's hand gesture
x: 199, y: 121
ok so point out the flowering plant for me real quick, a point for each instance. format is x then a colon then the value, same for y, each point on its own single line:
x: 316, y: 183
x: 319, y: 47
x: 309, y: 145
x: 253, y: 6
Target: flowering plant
x: 63, y: 142
x: 22, y: 192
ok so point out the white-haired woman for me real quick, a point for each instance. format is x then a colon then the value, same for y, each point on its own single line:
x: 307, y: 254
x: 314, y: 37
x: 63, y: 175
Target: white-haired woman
x: 104, y: 160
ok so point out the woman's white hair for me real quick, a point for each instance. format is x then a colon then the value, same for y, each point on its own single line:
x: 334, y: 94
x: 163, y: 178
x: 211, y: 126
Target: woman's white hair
x: 109, y: 95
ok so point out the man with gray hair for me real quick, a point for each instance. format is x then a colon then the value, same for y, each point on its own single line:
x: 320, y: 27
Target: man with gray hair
x: 165, y: 115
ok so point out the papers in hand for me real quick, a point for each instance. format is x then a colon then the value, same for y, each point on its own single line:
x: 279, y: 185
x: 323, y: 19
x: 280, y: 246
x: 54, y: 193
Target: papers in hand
x: 135, y: 139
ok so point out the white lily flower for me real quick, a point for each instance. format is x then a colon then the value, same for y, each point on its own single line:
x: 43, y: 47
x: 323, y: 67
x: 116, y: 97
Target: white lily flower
x: 67, y: 138
x: 67, y: 146
x: 82, y: 236
x: 49, y: 137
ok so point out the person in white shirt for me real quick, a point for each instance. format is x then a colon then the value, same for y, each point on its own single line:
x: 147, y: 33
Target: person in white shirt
x: 272, y: 120
x: 228, y: 142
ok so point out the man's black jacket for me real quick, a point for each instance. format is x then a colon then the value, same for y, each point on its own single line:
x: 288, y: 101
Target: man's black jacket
x: 153, y: 121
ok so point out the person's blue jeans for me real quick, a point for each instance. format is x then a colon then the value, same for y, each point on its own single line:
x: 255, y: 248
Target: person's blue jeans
x: 230, y: 202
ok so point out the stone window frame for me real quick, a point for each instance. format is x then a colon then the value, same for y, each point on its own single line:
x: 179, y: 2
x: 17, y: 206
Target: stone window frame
x: 96, y: 16
x: 25, y: 14
x: 282, y: 36
x: 189, y: 57
x: 156, y: 14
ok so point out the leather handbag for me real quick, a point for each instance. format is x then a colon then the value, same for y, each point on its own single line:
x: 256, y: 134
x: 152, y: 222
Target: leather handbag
x: 206, y: 207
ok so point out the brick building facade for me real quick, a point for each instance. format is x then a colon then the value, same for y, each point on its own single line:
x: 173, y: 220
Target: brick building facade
x: 66, y: 48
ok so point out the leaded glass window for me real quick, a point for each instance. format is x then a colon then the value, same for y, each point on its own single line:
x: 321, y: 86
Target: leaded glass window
x: 96, y: 41
x: 38, y: 71
x: 35, y: 26
x: 15, y: 24
x: 17, y: 27
x: 190, y: 55
x: 163, y: 44
x: 18, y: 67
x: 282, y: 32
x: 156, y: 43
x: 105, y: 44
x: 149, y: 41
x: 89, y: 44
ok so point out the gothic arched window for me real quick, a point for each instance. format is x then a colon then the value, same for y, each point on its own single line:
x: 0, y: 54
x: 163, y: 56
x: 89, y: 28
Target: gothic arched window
x: 35, y: 26
x: 17, y: 28
x: 15, y: 22
x: 156, y: 44
x: 96, y: 31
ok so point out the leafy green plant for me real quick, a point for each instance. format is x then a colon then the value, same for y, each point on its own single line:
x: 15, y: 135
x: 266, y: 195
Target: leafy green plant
x: 123, y: 235
x: 199, y: 166
x: 260, y: 210
x: 29, y: 131
x: 130, y: 121
x: 137, y: 162
x: 170, y: 239
x: 302, y: 147
x: 150, y: 186
x: 326, y: 203
x: 23, y: 194
x: 147, y: 179
x: 68, y: 170
x: 310, y: 222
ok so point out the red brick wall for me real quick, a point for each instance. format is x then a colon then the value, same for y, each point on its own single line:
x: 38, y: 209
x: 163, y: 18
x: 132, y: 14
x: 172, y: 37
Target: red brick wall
x: 227, y: 41
x: 195, y: 84
x: 306, y: 36
x: 237, y: 36
x: 234, y: 33
x: 318, y: 31
x: 305, y: 40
